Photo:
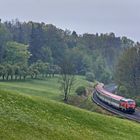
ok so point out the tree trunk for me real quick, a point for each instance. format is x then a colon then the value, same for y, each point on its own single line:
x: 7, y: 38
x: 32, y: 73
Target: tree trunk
x: 7, y: 77
x: 24, y: 77
x: 15, y: 77
x: 3, y: 77
x: 35, y: 76
x: 53, y: 74
x: 20, y: 77
x: 65, y: 98
x: 11, y: 77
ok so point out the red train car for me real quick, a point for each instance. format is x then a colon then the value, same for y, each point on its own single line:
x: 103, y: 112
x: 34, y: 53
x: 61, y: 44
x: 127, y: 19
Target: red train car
x: 119, y: 102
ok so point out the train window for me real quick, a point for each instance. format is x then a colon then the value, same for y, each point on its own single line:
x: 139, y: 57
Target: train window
x: 130, y: 102
x: 121, y: 100
x: 116, y: 101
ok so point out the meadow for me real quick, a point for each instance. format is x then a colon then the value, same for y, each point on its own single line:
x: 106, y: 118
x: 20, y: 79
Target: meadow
x: 33, y: 110
x: 46, y: 88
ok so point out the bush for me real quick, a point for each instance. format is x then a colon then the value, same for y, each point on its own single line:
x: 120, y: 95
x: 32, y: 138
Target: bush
x: 137, y: 101
x: 81, y: 90
x: 90, y: 76
x: 105, y: 77
x: 95, y: 84
x: 123, y: 90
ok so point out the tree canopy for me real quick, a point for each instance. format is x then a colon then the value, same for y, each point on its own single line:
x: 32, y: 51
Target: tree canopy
x: 128, y: 70
x: 30, y: 42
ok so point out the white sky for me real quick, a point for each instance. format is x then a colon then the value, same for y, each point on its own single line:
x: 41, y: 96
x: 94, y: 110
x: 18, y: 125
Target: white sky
x: 84, y: 16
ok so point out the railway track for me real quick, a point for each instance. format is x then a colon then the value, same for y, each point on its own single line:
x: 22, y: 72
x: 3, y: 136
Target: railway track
x: 135, y: 116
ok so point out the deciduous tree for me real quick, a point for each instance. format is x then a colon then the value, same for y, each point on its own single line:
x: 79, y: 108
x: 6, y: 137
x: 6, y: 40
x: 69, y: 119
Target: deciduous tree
x: 67, y: 67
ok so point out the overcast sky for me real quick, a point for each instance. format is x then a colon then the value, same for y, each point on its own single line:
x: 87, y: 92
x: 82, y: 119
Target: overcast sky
x: 84, y: 16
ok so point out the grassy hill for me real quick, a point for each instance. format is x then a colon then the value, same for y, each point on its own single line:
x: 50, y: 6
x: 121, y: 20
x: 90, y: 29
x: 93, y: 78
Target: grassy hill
x: 48, y: 88
x: 31, y: 110
x: 32, y: 118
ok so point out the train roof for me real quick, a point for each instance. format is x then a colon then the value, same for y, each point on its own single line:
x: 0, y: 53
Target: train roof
x: 110, y: 94
x: 127, y: 100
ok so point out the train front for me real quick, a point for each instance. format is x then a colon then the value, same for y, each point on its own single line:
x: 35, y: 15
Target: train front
x: 129, y: 105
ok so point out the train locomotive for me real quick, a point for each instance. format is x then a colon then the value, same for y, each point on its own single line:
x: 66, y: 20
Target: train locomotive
x: 119, y: 102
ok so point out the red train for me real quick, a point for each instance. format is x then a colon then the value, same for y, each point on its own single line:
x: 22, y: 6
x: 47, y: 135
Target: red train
x: 119, y: 102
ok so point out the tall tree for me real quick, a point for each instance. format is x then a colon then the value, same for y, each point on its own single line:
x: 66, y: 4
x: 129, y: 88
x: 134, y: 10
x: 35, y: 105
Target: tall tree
x: 16, y: 53
x: 67, y: 67
x: 36, y: 41
x: 4, y: 37
x: 128, y: 70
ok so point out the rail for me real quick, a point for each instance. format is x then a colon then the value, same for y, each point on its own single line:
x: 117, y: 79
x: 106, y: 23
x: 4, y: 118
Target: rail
x: 134, y: 117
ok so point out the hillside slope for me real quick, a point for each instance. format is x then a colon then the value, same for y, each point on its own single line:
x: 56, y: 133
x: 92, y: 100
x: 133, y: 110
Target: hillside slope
x: 32, y: 118
x: 46, y: 88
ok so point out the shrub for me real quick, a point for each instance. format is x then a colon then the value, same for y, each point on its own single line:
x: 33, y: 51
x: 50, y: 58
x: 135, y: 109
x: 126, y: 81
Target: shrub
x: 123, y: 90
x: 81, y: 90
x: 137, y: 101
x: 90, y: 76
x: 95, y: 84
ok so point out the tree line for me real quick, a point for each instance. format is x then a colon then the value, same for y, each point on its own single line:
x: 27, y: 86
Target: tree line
x: 127, y: 73
x: 20, y: 71
x: 31, y: 49
x: 25, y: 43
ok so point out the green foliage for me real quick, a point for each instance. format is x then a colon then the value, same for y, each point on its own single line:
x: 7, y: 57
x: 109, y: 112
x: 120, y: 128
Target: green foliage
x: 46, y: 54
x: 16, y: 53
x: 81, y: 90
x: 67, y: 72
x: 4, y: 37
x: 123, y: 90
x: 20, y: 31
x: 105, y: 77
x: 90, y: 76
x: 95, y: 53
x: 128, y: 70
x: 137, y: 99
x: 95, y: 84
x: 21, y: 71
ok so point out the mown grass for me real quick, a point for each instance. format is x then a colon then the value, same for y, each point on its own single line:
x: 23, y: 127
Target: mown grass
x: 48, y: 88
x: 33, y: 118
x: 29, y: 110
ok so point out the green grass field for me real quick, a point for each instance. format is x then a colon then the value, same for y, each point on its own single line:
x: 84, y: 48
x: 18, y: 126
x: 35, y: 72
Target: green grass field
x: 32, y: 118
x: 49, y: 88
x: 33, y: 110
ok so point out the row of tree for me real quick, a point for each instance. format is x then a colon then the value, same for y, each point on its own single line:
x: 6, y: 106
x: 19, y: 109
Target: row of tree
x: 20, y: 71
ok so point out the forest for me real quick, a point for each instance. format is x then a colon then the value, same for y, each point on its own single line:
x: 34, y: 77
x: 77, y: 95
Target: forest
x: 31, y: 49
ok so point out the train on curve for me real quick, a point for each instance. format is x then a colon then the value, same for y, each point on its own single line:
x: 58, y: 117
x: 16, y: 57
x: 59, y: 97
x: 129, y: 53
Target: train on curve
x: 119, y: 102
